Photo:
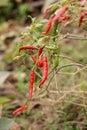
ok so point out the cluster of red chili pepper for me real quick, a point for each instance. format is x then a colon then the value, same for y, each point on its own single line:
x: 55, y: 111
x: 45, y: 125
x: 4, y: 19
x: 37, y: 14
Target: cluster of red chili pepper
x: 59, y: 16
x: 82, y: 15
x: 42, y: 61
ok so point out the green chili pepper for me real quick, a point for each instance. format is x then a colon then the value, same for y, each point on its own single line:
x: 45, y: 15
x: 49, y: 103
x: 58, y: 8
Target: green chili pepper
x: 56, y: 60
x: 51, y: 47
x: 54, y: 31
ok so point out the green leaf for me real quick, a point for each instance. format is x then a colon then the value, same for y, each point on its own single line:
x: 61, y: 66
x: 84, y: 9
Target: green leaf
x: 4, y: 100
x: 54, y: 31
x: 5, y: 123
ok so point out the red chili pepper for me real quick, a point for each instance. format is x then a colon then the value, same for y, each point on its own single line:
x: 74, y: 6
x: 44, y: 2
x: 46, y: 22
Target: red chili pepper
x: 31, y: 83
x: 45, y: 12
x: 33, y: 58
x: 81, y: 18
x: 60, y: 13
x: 27, y: 47
x: 48, y: 25
x: 19, y: 109
x: 45, y: 71
x: 65, y: 17
x: 40, y: 62
x: 40, y: 51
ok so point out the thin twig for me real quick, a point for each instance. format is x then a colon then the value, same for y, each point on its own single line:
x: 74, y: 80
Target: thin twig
x: 85, y: 67
x: 72, y: 64
x: 61, y: 67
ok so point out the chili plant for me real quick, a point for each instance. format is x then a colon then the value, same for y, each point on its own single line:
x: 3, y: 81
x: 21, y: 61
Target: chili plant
x: 41, y: 43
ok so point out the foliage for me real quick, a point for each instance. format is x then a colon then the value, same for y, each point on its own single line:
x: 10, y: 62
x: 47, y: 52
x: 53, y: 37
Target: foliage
x: 51, y: 39
x: 13, y: 10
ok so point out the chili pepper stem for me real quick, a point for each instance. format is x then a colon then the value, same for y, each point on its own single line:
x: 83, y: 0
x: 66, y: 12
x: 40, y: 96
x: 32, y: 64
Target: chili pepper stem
x: 55, y: 26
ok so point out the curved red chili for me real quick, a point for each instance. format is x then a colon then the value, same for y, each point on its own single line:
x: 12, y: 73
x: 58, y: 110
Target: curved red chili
x: 31, y: 83
x: 48, y: 25
x: 27, y: 47
x: 45, y: 71
x: 45, y: 12
x: 40, y: 50
x: 81, y: 18
x: 33, y: 58
x: 60, y: 13
x: 19, y: 109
